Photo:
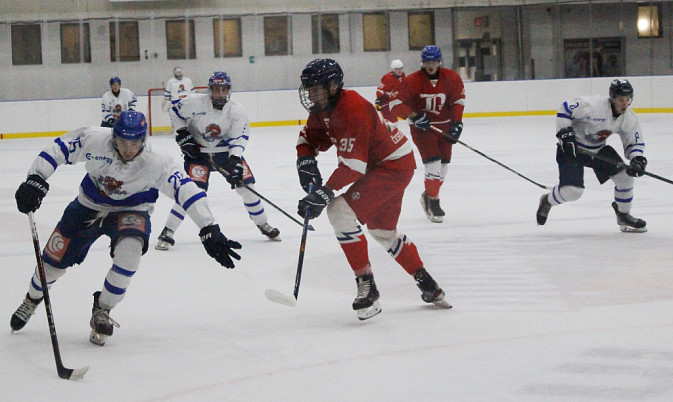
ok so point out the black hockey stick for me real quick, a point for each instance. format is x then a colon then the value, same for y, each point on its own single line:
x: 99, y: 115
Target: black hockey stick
x: 281, y: 298
x: 63, y: 372
x: 496, y: 162
x: 224, y: 172
x: 620, y: 165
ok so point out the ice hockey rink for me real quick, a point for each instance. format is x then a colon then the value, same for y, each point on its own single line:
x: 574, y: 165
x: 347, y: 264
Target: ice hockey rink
x: 573, y: 310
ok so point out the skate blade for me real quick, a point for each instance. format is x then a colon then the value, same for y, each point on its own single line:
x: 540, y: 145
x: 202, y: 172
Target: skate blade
x: 629, y: 229
x: 277, y: 238
x: 369, y: 312
x: 97, y: 339
x: 161, y: 246
x: 442, y: 304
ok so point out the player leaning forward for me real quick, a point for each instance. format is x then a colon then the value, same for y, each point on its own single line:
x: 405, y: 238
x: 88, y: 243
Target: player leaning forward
x: 583, y: 126
x: 115, y: 199
x: 377, y: 161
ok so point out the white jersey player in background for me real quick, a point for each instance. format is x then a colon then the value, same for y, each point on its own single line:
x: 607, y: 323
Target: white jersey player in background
x: 116, y: 197
x: 583, y: 126
x: 212, y: 131
x: 114, y: 101
x: 177, y: 88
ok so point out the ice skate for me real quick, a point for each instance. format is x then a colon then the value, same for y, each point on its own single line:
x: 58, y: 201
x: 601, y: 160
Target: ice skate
x: 432, y: 293
x: 24, y: 312
x: 366, y: 303
x: 543, y: 210
x: 269, y: 231
x: 165, y: 240
x: 101, y: 323
x: 628, y: 223
x: 432, y: 209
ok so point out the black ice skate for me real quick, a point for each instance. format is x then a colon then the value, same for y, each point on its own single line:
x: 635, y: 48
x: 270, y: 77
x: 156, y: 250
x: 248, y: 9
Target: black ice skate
x: 22, y: 314
x: 543, y: 210
x: 165, y: 240
x: 628, y: 223
x: 432, y: 293
x: 366, y: 303
x: 269, y: 231
x: 101, y: 323
x: 432, y: 209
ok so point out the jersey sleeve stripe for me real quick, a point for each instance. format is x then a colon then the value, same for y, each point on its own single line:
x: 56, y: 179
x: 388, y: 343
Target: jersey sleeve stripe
x: 49, y: 159
x: 64, y: 149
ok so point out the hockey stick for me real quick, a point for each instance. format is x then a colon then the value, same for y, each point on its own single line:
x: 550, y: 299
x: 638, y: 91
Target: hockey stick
x: 495, y: 161
x: 620, y: 165
x: 63, y: 372
x: 224, y: 172
x: 281, y: 298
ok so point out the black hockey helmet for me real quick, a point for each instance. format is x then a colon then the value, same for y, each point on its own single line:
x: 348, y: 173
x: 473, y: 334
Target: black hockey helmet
x: 620, y: 87
x: 320, y: 72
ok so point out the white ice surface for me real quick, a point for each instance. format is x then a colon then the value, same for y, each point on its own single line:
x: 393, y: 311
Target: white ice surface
x: 573, y: 310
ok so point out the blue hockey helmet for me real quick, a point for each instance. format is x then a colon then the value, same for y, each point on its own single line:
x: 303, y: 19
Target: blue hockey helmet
x: 130, y: 126
x: 321, y: 72
x: 620, y: 87
x: 431, y: 53
x: 219, y: 79
x: 115, y: 80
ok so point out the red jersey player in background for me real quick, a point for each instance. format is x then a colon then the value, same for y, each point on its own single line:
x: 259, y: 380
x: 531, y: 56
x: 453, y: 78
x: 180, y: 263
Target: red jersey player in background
x: 433, y: 96
x: 388, y: 88
x: 377, y: 161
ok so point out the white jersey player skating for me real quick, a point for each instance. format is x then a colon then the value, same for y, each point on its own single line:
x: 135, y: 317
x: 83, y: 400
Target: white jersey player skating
x: 583, y: 126
x: 114, y: 101
x: 116, y: 197
x: 212, y: 132
x: 177, y: 88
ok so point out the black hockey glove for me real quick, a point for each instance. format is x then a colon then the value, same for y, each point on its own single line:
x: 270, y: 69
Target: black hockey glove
x: 315, y: 201
x: 187, y: 143
x: 30, y: 193
x: 421, y: 121
x: 378, y: 103
x: 307, y: 168
x: 454, y: 132
x: 110, y: 122
x: 234, y: 170
x: 218, y: 246
x: 637, y: 166
x: 566, y: 140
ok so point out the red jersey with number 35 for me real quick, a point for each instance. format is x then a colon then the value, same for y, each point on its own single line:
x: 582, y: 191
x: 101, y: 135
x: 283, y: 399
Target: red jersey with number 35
x: 363, y: 141
x: 442, y: 99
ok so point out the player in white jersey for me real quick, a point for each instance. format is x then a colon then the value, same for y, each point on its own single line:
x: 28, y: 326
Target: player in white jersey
x: 176, y: 89
x: 115, y: 101
x: 116, y: 197
x: 583, y: 126
x: 212, y: 131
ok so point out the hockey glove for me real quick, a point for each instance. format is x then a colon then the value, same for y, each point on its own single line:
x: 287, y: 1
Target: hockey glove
x: 218, y: 246
x: 566, y: 140
x: 421, y: 121
x: 30, y: 193
x: 110, y: 122
x: 187, y: 143
x: 315, y: 201
x: 637, y: 166
x: 378, y: 104
x: 307, y: 168
x: 454, y: 132
x: 235, y: 170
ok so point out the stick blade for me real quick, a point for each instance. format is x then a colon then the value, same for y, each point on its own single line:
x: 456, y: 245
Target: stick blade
x: 73, y: 374
x: 280, y: 298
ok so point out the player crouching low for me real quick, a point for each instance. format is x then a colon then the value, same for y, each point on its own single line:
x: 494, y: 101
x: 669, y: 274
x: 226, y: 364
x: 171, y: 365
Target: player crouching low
x: 115, y: 199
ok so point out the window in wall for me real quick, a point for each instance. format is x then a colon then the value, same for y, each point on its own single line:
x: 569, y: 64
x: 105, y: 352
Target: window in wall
x: 276, y: 36
x: 180, y: 40
x: 649, y: 21
x: 227, y: 37
x: 375, y: 32
x: 26, y: 45
x: 604, y: 58
x: 325, y: 33
x: 75, y: 44
x: 421, y: 30
x: 129, y: 43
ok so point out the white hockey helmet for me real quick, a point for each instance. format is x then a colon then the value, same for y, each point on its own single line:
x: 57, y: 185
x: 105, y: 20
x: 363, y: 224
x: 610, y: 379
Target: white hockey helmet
x: 396, y: 64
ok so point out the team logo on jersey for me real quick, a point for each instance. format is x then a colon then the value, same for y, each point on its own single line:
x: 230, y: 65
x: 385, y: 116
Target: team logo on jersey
x: 111, y: 184
x: 434, y: 83
x: 56, y: 246
x: 604, y: 134
x: 117, y: 110
x: 213, y: 132
x: 131, y: 221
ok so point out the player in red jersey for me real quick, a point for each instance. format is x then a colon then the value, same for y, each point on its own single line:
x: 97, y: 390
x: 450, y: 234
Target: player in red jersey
x: 377, y: 160
x: 388, y: 88
x: 432, y: 96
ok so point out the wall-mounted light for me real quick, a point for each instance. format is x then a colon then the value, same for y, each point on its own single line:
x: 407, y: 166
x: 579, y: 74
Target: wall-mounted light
x: 649, y: 21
